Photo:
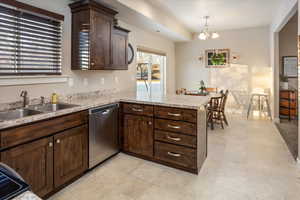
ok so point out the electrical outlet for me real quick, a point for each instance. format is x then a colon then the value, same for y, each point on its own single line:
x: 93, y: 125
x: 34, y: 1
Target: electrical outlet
x: 102, y: 81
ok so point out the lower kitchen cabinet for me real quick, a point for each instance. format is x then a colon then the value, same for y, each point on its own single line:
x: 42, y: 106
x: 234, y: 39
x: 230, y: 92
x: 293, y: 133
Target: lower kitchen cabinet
x: 47, y: 164
x: 176, y: 137
x: 34, y: 162
x: 70, y: 154
x: 138, y: 135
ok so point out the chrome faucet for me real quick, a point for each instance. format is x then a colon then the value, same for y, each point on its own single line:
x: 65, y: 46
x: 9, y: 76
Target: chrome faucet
x: 24, y: 95
x: 42, y: 100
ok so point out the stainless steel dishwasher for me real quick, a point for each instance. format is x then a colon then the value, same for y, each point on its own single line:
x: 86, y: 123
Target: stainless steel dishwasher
x: 103, y: 133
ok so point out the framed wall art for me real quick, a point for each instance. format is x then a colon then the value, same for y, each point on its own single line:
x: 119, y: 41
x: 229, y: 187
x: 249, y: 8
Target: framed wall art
x: 217, y: 58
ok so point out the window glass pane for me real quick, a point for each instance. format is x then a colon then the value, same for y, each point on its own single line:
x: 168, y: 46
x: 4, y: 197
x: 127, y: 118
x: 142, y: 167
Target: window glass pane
x: 29, y: 44
x: 150, y: 74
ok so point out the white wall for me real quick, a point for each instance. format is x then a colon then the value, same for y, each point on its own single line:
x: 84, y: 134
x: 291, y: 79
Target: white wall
x: 250, y: 72
x: 84, y: 81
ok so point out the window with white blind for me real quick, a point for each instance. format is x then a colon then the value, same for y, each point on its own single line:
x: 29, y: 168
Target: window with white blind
x: 30, y: 43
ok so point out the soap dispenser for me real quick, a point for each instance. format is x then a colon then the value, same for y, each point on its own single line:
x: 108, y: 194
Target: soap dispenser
x: 54, y: 98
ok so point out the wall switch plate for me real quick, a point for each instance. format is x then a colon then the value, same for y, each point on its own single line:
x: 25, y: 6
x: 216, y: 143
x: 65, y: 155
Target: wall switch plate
x: 116, y: 79
x: 71, y: 82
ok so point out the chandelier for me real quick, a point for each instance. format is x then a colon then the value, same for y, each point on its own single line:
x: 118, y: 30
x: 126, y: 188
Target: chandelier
x: 205, y: 33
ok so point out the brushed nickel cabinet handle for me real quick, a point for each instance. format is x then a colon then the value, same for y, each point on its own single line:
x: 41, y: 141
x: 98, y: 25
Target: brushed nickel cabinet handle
x: 174, y: 139
x: 105, y: 112
x: 58, y: 141
x: 174, y: 114
x: 137, y: 110
x: 174, y: 154
x: 175, y: 127
x: 50, y: 144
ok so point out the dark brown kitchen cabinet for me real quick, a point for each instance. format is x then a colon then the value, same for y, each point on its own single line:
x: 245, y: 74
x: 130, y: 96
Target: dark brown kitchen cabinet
x: 119, y: 48
x: 96, y: 43
x: 70, y: 154
x: 34, y: 162
x: 49, y: 153
x: 138, y: 135
x: 100, y: 41
x: 176, y: 137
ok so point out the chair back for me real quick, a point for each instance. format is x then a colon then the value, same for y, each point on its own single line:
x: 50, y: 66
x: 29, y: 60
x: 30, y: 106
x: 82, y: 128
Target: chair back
x: 215, y: 103
x: 224, y: 100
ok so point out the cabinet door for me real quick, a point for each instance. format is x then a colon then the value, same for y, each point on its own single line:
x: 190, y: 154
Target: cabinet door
x: 34, y: 162
x: 81, y: 40
x: 70, y: 154
x: 119, y: 49
x: 100, y: 40
x: 138, y: 135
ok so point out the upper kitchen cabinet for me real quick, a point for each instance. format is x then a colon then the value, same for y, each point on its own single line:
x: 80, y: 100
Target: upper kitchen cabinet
x: 119, y: 48
x: 96, y: 43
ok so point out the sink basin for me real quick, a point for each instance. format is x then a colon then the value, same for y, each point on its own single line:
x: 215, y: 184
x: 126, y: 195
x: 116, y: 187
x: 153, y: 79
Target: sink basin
x: 17, y: 114
x: 52, y: 107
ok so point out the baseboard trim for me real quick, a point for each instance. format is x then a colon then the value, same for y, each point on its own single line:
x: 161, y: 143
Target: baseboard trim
x: 276, y: 120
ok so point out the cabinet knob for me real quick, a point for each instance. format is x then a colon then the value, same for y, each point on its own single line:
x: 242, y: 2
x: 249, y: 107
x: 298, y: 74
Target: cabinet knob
x: 58, y: 141
x: 50, y: 144
x: 92, y: 63
x: 150, y: 123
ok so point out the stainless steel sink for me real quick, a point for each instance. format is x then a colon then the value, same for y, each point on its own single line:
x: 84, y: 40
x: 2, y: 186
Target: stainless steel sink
x: 52, y: 107
x: 17, y: 114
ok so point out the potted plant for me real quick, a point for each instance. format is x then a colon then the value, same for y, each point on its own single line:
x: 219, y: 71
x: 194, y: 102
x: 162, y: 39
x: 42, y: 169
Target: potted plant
x: 284, y: 84
x: 202, y: 87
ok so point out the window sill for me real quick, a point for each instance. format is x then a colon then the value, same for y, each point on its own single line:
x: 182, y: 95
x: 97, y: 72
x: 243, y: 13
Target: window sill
x: 32, y: 80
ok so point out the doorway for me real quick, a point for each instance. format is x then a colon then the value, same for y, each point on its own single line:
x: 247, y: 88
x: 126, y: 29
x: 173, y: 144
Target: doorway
x: 288, y: 76
x: 150, y: 76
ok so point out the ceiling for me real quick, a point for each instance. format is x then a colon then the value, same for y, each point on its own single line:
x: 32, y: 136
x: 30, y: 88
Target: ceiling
x: 224, y: 14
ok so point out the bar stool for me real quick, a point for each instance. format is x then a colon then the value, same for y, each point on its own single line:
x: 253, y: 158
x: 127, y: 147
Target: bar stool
x: 263, y: 98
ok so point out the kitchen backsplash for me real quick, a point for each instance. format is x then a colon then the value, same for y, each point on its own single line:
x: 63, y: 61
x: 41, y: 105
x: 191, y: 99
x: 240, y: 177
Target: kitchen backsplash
x: 62, y: 98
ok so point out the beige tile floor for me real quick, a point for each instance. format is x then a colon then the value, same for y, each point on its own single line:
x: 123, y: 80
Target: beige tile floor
x: 247, y: 161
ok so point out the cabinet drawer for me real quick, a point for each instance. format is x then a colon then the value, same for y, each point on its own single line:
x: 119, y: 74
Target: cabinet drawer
x: 288, y: 104
x: 176, y: 126
x: 178, y: 155
x: 175, y: 138
x: 288, y: 94
x: 138, y: 109
x: 26, y: 133
x: 288, y: 112
x: 176, y: 114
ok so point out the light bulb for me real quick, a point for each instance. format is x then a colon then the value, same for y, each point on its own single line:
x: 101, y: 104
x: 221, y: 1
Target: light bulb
x: 202, y: 36
x: 215, y: 35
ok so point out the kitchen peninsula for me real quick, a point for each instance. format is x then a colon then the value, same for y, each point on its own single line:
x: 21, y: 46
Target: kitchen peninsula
x: 169, y: 130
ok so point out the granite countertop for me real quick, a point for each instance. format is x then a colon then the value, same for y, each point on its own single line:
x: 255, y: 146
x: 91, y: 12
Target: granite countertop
x: 179, y: 101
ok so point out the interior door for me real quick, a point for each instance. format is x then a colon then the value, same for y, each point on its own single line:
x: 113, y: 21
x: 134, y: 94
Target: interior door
x: 70, y: 154
x: 34, y: 162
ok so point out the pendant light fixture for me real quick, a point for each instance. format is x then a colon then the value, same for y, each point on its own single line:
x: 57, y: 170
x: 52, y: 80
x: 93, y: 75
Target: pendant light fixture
x: 205, y: 33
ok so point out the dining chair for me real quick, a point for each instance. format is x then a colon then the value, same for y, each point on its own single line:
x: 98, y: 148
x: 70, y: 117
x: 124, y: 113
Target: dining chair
x: 216, y: 110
